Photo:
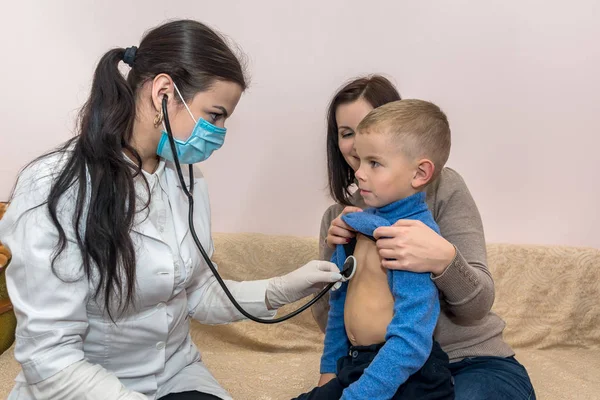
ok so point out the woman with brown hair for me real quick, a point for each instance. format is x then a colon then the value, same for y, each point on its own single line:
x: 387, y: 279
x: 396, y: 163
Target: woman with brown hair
x: 482, y: 364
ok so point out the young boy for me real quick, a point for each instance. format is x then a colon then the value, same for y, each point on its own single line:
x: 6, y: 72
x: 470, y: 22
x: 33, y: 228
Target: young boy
x: 379, y: 339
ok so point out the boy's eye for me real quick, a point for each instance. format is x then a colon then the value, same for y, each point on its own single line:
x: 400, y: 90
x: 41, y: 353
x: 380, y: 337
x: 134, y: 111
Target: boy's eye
x: 375, y: 164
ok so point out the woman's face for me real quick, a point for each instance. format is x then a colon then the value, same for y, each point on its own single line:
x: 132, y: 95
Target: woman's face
x: 347, y: 117
x: 214, y: 105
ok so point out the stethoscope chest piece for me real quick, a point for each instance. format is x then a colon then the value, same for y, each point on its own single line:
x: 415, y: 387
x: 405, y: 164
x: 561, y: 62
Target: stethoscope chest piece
x: 348, y: 271
x: 349, y: 268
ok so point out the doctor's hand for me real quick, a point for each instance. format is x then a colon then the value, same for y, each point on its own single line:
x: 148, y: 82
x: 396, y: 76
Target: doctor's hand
x: 304, y: 281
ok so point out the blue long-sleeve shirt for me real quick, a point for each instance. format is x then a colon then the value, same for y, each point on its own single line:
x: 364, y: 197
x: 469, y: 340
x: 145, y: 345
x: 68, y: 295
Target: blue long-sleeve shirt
x: 409, y: 336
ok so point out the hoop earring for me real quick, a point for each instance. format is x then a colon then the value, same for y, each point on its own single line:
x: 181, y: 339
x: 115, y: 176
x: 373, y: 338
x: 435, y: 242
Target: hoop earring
x: 158, y: 119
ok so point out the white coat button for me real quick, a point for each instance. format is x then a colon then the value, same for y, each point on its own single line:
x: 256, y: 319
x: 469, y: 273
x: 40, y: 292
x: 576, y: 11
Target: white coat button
x: 160, y: 345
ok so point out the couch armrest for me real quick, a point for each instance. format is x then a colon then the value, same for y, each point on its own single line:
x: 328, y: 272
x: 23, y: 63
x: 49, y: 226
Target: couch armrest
x: 5, y: 306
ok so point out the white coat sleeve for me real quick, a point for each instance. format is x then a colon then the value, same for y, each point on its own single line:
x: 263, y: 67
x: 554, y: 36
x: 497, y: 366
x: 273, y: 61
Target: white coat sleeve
x: 207, y: 301
x: 213, y: 307
x: 83, y: 380
x: 51, y: 312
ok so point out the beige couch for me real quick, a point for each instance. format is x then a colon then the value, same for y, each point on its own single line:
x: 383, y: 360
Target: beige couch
x: 549, y: 297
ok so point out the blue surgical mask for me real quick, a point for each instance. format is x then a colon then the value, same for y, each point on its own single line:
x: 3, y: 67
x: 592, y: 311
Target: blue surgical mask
x: 204, y: 139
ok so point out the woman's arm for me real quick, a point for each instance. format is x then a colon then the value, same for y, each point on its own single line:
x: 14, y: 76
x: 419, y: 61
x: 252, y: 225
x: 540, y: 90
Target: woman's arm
x: 457, y: 260
x: 208, y: 302
x: 83, y: 380
x: 326, y: 250
x: 466, y: 282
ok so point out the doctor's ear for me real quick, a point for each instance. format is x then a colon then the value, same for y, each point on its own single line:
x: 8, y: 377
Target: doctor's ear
x: 162, y: 85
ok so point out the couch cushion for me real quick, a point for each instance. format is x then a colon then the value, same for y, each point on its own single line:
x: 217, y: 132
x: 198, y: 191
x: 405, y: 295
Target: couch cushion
x: 251, y: 370
x: 548, y: 295
x: 561, y: 374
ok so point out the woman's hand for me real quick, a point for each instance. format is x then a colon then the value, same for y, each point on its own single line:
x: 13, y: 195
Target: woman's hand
x: 298, y: 284
x: 412, y: 246
x: 339, y: 232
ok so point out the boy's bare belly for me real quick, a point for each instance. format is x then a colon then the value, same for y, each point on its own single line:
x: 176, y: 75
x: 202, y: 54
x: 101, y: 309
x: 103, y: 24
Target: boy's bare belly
x: 369, y: 306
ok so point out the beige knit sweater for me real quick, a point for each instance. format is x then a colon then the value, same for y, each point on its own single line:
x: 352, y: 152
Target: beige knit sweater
x: 466, y: 327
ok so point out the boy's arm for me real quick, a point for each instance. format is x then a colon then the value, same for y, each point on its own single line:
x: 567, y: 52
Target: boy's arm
x: 336, y: 341
x: 409, y: 338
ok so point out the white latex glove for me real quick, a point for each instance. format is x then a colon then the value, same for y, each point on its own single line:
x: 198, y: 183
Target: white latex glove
x: 304, y: 281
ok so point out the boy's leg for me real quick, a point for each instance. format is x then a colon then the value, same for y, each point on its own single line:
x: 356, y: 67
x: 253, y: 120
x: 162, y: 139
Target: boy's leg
x: 331, y: 390
x: 432, y: 382
x: 350, y: 369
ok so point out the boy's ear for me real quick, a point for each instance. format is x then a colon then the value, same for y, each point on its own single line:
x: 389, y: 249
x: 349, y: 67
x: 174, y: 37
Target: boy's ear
x: 423, y: 173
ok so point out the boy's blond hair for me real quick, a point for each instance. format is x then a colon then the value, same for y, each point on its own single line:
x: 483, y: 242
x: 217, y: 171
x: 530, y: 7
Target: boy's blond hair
x: 419, y: 127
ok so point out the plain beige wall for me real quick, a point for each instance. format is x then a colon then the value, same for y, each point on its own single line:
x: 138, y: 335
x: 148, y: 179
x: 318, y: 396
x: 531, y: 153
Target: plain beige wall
x: 518, y: 79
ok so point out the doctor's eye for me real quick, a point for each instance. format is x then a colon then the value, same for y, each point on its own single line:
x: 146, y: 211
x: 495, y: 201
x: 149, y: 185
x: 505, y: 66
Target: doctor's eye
x: 214, y: 117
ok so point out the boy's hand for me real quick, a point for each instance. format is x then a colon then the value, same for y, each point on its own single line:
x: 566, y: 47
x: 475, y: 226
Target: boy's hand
x: 325, y: 378
x: 339, y: 232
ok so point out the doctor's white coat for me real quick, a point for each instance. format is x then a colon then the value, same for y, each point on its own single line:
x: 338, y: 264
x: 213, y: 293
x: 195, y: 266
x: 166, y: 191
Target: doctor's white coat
x: 59, y: 323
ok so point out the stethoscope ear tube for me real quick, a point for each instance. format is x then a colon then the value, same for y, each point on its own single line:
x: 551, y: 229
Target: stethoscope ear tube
x: 349, y: 268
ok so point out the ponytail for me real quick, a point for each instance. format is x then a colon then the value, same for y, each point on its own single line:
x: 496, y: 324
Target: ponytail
x: 107, y: 206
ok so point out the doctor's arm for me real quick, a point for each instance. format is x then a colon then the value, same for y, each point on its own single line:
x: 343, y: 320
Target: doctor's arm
x: 209, y: 303
x: 51, y: 312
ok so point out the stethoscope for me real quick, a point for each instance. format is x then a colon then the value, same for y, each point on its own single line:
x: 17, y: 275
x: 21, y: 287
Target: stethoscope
x: 348, y: 270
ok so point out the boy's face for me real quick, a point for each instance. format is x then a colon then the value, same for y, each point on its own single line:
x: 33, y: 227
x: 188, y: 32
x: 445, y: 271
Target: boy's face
x: 385, y: 174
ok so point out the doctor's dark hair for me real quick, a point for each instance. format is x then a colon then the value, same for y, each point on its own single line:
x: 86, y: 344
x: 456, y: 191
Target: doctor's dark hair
x: 375, y: 90
x: 195, y: 57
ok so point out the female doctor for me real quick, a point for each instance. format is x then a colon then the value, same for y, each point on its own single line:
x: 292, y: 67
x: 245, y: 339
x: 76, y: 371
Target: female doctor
x: 105, y: 275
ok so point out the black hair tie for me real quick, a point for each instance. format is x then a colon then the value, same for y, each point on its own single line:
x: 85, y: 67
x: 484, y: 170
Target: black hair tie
x: 129, y: 56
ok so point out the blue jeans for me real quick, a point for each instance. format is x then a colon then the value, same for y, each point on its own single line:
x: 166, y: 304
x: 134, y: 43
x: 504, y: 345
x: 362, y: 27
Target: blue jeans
x: 491, y: 378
